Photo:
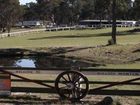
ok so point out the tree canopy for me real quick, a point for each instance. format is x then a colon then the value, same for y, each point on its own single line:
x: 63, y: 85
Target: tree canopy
x: 71, y: 11
x: 66, y: 11
x: 9, y: 13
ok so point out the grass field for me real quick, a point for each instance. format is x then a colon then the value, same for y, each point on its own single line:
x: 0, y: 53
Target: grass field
x: 126, y: 66
x: 82, y: 38
x: 69, y: 38
x: 74, y: 38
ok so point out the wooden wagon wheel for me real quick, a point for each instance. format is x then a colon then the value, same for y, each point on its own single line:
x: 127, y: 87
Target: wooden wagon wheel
x: 72, y: 85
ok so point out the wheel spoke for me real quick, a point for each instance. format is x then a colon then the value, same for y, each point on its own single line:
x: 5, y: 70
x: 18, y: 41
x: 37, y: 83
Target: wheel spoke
x: 67, y: 93
x: 77, y: 79
x: 64, y: 87
x: 74, y: 77
x: 72, y: 85
x: 77, y: 92
x: 63, y: 82
x: 80, y: 89
x: 69, y: 77
x: 76, y: 95
x: 73, y: 93
x: 64, y: 79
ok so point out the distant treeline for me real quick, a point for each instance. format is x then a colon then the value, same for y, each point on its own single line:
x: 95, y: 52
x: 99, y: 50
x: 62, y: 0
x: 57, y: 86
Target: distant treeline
x: 68, y: 12
x: 71, y: 11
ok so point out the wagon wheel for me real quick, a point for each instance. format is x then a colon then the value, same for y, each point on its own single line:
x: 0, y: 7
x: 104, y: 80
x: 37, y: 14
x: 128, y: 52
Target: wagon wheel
x: 72, y: 85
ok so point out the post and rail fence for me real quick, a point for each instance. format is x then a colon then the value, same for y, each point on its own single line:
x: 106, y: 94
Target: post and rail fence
x: 92, y: 72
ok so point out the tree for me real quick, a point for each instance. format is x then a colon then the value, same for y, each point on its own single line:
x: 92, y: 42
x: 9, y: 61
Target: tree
x: 88, y: 10
x: 30, y: 11
x: 114, y: 22
x: 9, y: 13
x: 122, y: 9
x: 136, y: 10
x: 102, y: 10
x: 46, y: 9
x: 68, y: 11
x: 101, y: 7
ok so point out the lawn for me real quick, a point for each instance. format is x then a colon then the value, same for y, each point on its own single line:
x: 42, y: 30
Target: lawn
x: 75, y: 38
x: 80, y: 38
x: 126, y: 66
x: 67, y: 38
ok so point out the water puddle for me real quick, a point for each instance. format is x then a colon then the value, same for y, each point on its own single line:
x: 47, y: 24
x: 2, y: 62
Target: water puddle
x: 43, y: 62
x: 25, y: 63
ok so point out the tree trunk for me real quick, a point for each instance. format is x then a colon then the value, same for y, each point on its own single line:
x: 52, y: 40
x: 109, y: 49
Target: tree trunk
x: 100, y: 22
x: 8, y: 29
x: 114, y: 22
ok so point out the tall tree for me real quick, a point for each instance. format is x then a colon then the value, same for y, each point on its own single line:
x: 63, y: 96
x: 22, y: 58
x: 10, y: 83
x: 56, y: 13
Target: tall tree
x: 122, y: 9
x: 101, y: 8
x: 46, y: 9
x: 88, y: 9
x: 9, y: 13
x: 114, y: 22
x: 136, y: 10
x: 68, y: 11
x: 30, y: 11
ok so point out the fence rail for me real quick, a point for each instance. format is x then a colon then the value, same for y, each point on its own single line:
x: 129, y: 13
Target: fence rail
x: 19, y: 33
x: 90, y: 82
x: 95, y: 91
x: 92, y: 71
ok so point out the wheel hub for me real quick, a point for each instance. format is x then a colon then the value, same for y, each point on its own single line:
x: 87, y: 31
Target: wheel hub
x: 70, y: 85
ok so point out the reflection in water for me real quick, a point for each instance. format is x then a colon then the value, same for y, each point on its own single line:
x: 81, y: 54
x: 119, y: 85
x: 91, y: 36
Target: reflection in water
x: 42, y: 62
x: 25, y: 63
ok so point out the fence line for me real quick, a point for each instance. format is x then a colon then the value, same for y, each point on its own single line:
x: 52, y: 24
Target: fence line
x: 20, y: 33
x: 95, y: 91
x: 94, y: 71
x: 3, y: 35
x: 90, y: 82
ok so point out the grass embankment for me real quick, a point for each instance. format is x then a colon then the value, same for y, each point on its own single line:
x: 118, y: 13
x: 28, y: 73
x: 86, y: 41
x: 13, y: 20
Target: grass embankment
x: 122, y: 56
x: 117, y: 56
x: 86, y: 37
x: 113, y: 57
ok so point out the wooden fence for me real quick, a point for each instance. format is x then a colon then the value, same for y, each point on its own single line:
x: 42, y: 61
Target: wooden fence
x: 19, y: 33
x: 88, y: 72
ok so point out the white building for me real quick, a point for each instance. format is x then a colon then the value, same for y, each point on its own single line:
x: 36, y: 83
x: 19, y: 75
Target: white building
x: 29, y: 24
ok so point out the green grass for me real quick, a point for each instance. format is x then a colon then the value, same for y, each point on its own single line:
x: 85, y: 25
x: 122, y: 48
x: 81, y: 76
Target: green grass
x: 126, y: 66
x: 83, y: 38
x: 74, y: 38
x: 69, y: 38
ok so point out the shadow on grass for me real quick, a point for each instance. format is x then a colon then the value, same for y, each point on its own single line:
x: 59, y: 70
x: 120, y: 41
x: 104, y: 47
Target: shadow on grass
x: 119, y: 33
x: 26, y: 99
x: 52, y: 51
x: 34, y: 100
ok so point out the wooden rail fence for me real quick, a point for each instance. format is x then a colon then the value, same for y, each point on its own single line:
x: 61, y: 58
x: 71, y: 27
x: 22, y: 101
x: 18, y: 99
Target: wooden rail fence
x: 95, y: 91
x: 19, y: 33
